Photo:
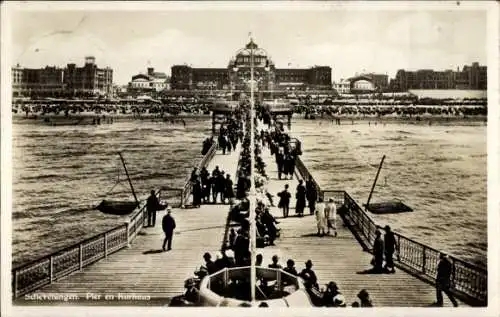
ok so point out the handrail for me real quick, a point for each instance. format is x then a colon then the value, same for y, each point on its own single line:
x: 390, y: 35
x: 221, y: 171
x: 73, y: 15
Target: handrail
x: 188, y: 186
x: 46, y: 269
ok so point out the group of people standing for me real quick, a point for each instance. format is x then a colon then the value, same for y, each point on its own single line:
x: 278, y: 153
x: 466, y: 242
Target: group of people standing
x: 229, y: 135
x: 208, y: 187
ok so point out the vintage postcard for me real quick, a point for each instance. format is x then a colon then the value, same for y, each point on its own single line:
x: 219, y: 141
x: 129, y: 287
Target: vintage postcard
x: 331, y: 158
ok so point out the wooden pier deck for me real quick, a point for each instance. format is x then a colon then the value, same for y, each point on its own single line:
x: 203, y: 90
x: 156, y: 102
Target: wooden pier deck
x: 340, y: 258
x: 143, y: 269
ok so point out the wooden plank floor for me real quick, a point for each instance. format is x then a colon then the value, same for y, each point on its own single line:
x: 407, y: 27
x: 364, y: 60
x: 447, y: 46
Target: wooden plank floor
x: 338, y: 258
x: 143, y: 269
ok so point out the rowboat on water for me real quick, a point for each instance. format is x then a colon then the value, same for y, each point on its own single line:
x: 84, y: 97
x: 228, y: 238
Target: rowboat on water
x: 119, y: 207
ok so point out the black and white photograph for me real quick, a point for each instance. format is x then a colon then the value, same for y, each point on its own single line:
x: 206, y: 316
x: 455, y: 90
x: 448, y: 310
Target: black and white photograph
x: 330, y: 155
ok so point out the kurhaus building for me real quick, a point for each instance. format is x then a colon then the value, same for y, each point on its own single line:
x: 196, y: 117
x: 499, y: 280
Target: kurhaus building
x: 237, y: 74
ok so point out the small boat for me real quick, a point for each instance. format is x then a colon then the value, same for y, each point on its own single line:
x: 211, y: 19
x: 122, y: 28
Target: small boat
x: 389, y: 207
x: 115, y: 207
x: 121, y: 208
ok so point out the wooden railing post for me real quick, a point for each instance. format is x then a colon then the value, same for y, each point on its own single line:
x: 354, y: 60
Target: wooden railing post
x: 127, y: 224
x: 398, y: 247
x: 51, y: 268
x: 80, y: 257
x: 105, y: 244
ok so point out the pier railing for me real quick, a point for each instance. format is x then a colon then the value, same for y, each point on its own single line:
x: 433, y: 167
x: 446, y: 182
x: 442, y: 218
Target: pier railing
x: 47, y: 269
x: 469, y: 282
x: 188, y: 187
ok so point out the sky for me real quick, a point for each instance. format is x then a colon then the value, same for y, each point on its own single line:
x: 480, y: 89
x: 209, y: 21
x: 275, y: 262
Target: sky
x: 349, y: 41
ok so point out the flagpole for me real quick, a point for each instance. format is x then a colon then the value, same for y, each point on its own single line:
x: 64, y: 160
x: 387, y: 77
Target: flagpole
x: 253, y: 271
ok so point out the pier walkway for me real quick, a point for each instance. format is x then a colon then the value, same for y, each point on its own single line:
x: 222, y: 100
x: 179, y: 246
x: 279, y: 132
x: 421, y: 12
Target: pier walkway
x: 143, y: 269
x: 340, y: 258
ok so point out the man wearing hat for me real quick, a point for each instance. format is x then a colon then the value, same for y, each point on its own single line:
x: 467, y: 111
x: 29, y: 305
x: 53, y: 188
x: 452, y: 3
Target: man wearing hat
x: 389, y: 246
x: 378, y: 253
x: 328, y: 296
x: 443, y: 280
x: 364, y: 297
x: 168, y: 226
x: 309, y: 276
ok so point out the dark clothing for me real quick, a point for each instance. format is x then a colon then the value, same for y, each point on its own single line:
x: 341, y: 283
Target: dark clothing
x: 328, y: 296
x: 152, y: 206
x: 211, y: 267
x: 197, y: 192
x: 291, y: 270
x: 389, y: 247
x: 275, y: 266
x: 309, y: 278
x: 168, y: 240
x: 301, y: 199
x: 311, y: 195
x: 443, y: 281
x: 378, y: 254
x: 284, y: 202
x: 229, y: 191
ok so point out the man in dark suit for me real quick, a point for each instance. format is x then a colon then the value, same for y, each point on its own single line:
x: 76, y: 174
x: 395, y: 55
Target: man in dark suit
x: 443, y: 280
x: 152, y: 205
x: 168, y: 225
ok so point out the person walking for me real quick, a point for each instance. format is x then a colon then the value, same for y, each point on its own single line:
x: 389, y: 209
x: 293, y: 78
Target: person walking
x: 443, y: 280
x: 228, y: 189
x: 284, y: 201
x: 389, y: 247
x: 300, y: 195
x: 152, y: 205
x: 168, y: 226
x: 331, y: 216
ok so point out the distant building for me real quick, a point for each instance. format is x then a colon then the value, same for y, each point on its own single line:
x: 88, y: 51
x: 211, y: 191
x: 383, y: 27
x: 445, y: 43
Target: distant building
x: 343, y: 86
x: 472, y: 77
x: 237, y: 74
x: 149, y: 84
x: 89, y: 80
x: 55, y: 82
x: 370, y: 82
x: 43, y: 82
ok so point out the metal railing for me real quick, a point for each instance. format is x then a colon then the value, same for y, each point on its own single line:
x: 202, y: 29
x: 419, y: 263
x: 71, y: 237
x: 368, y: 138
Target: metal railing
x: 45, y: 270
x: 468, y: 281
x: 188, y: 186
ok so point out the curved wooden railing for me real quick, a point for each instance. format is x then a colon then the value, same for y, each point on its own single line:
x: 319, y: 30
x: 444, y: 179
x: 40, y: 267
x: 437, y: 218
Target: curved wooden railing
x: 469, y: 282
x: 45, y: 270
x: 188, y: 187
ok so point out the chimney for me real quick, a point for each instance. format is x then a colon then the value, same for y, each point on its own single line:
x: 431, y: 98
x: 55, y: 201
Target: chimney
x: 89, y: 60
x: 151, y: 70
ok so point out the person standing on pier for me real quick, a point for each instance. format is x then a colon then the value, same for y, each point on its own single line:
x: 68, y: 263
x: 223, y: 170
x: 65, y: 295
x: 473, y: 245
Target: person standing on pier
x: 311, y: 194
x: 378, y: 253
x: 197, y: 192
x: 229, y: 190
x: 331, y: 213
x: 168, y: 226
x: 443, y: 280
x: 320, y: 217
x: 389, y: 247
x: 300, y: 195
x: 284, y: 201
x: 152, y: 205
x: 280, y: 161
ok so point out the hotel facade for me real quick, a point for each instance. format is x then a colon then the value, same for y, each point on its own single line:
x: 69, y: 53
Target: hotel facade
x: 236, y: 75
x: 81, y: 82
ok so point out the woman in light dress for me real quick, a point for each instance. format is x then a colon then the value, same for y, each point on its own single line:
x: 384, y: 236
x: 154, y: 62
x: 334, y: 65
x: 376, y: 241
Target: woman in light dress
x: 331, y: 216
x: 321, y: 220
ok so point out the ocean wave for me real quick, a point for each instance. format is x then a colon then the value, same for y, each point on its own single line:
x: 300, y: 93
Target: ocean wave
x: 404, y: 132
x: 446, y: 159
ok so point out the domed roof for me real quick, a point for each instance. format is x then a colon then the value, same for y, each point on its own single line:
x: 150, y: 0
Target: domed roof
x: 247, y: 50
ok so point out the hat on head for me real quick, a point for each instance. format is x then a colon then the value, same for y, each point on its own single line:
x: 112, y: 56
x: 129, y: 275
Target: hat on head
x: 363, y: 294
x: 387, y: 228
x: 309, y: 262
x: 332, y: 285
x: 169, y: 209
x: 330, y: 200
